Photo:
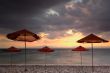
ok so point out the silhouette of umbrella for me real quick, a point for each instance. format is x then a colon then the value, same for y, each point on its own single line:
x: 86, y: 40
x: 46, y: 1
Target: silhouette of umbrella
x: 23, y: 35
x: 12, y: 50
x: 92, y: 39
x: 80, y: 49
x: 46, y: 50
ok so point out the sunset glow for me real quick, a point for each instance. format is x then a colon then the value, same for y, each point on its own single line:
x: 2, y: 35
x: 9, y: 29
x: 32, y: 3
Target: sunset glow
x: 67, y: 41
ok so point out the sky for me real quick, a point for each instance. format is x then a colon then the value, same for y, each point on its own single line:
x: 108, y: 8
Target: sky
x: 60, y: 23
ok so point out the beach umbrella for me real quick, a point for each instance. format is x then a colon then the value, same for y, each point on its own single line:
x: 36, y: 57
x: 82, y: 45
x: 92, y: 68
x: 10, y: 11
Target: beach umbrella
x: 80, y: 49
x: 23, y: 35
x: 12, y: 50
x: 92, y: 39
x: 46, y: 50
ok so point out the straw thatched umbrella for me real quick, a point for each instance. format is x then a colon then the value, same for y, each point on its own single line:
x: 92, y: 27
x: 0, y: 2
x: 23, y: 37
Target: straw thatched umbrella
x: 45, y: 50
x: 92, y: 39
x: 23, y: 35
x: 12, y: 50
x: 80, y: 49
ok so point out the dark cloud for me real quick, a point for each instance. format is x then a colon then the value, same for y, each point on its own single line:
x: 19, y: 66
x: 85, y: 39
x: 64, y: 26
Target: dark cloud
x: 17, y: 14
x: 97, y: 22
x: 88, y: 16
x: 26, y: 6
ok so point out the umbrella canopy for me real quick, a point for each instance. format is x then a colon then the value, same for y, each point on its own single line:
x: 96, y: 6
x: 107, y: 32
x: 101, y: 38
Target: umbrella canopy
x: 23, y: 35
x: 91, y: 39
x: 13, y: 49
x: 80, y: 48
x: 46, y: 49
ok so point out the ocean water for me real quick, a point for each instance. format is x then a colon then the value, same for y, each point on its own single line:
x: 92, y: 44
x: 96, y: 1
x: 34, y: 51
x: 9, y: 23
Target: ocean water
x: 59, y: 56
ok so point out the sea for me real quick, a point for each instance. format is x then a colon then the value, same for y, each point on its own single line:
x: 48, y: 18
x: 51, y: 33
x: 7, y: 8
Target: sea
x: 101, y: 56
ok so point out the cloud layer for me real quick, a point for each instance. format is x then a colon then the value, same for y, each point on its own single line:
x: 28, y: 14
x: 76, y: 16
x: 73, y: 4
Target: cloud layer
x: 55, y: 16
x: 87, y: 17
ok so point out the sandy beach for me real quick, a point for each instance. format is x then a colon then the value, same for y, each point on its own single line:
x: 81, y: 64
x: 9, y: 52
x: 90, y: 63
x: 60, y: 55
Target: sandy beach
x: 53, y: 69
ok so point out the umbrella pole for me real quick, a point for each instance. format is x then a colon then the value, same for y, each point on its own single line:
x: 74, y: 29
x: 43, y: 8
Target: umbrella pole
x: 45, y: 62
x: 11, y: 60
x: 25, y: 53
x: 92, y: 59
x: 81, y: 58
